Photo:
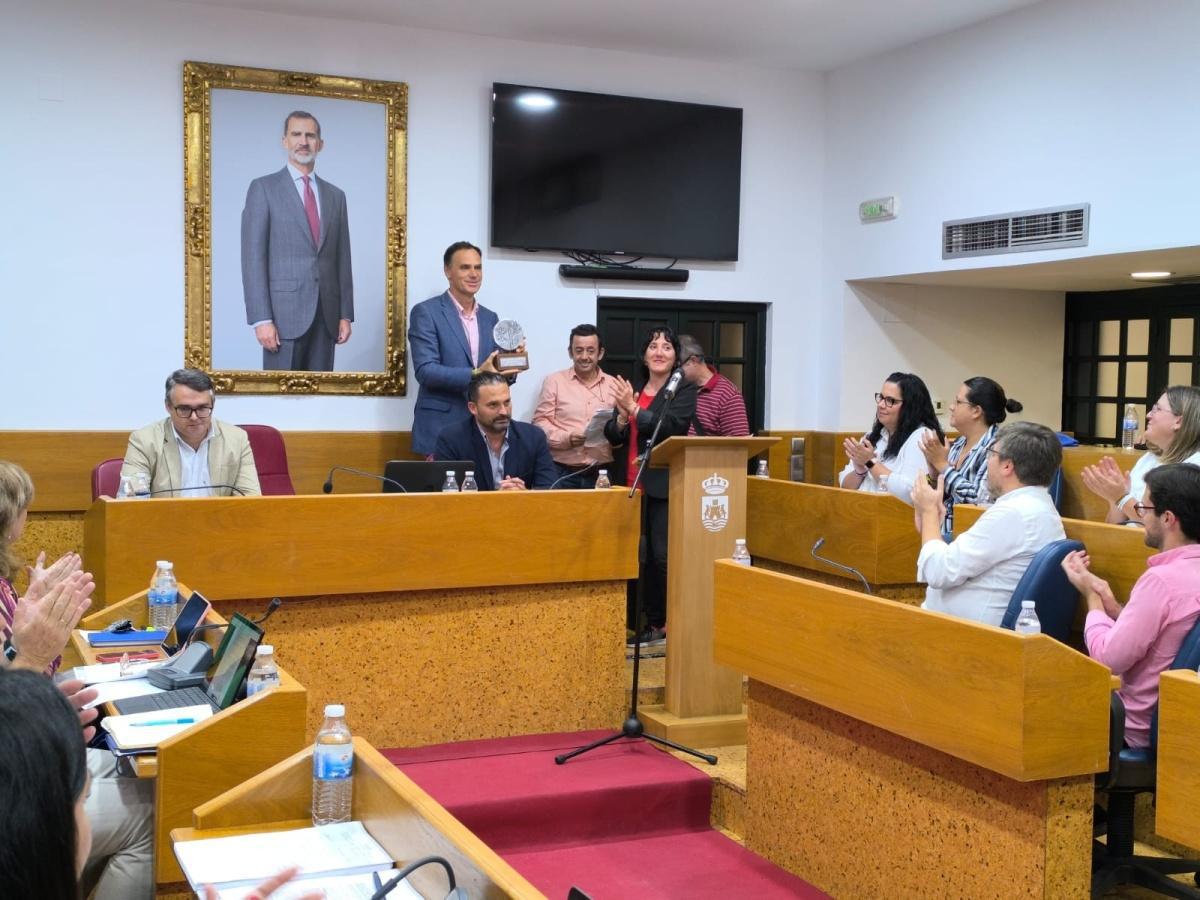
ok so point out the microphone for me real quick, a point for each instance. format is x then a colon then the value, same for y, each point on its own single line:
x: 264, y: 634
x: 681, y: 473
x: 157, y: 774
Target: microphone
x: 554, y: 484
x: 829, y: 562
x: 673, y: 384
x: 270, y: 611
x: 198, y: 487
x: 327, y: 487
x: 456, y: 893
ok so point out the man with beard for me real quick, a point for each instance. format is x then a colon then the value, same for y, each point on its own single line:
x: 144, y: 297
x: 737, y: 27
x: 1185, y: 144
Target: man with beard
x: 974, y: 577
x: 508, y: 455
x: 296, y: 275
x: 1140, y: 640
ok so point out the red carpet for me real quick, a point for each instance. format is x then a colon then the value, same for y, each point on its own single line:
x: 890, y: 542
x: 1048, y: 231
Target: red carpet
x: 623, y: 821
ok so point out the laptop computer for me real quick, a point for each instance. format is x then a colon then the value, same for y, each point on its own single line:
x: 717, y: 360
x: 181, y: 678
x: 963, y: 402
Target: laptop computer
x: 234, y: 657
x: 420, y: 476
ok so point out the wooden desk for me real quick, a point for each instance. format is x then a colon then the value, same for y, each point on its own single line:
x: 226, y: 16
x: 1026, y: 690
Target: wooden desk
x: 890, y: 748
x: 1178, y: 757
x: 870, y: 532
x: 211, y: 756
x: 405, y: 820
x: 431, y: 617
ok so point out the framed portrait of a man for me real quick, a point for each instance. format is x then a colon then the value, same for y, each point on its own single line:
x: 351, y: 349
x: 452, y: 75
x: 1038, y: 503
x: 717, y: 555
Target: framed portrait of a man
x: 295, y: 230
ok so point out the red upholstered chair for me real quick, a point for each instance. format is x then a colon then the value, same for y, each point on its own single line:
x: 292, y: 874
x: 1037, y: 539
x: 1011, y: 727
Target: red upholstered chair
x: 270, y: 458
x: 106, y: 478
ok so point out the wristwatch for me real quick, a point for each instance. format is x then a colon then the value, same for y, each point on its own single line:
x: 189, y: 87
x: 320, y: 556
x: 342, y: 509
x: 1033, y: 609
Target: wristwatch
x: 10, y: 652
x: 870, y: 463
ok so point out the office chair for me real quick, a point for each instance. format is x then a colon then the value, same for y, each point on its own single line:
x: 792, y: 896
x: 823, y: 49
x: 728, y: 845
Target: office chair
x: 106, y: 477
x: 1132, y: 772
x: 1056, y: 488
x: 1045, y: 583
x: 270, y: 459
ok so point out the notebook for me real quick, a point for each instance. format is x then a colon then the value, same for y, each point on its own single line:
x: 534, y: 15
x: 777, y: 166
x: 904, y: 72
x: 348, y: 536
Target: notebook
x: 420, y: 476
x: 144, y: 730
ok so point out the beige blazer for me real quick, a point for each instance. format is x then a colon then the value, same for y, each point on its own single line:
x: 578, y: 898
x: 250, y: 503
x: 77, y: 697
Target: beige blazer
x: 155, y: 449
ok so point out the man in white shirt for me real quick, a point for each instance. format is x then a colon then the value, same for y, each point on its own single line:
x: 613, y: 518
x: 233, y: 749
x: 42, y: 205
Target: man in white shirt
x: 191, y: 454
x: 975, y: 576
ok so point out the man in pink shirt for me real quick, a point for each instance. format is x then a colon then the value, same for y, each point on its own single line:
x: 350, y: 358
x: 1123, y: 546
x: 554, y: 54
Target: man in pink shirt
x: 568, y: 401
x: 1140, y: 640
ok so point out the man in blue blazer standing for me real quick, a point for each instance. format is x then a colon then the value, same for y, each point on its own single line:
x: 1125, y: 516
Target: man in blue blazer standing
x: 508, y: 455
x: 450, y: 338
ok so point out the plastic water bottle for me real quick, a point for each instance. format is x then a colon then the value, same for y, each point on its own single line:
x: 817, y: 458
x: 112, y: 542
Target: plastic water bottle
x: 264, y: 674
x: 741, y: 555
x: 163, y: 596
x: 1027, y: 620
x: 126, y: 490
x: 762, y: 472
x: 469, y: 484
x: 450, y: 486
x: 1129, y: 427
x: 602, y: 481
x: 333, y: 769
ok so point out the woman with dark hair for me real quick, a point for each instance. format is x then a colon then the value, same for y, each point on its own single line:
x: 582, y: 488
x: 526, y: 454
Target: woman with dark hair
x: 1172, y: 436
x: 979, y: 407
x: 629, y: 430
x: 888, y: 459
x: 45, y: 834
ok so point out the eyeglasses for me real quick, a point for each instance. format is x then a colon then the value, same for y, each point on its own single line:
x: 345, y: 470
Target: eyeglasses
x: 1140, y: 508
x: 996, y: 451
x: 889, y: 402
x: 957, y: 402
x: 185, y: 412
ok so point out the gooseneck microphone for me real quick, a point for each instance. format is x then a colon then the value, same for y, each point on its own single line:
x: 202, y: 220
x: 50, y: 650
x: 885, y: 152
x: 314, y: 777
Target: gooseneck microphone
x: 554, y: 484
x: 829, y: 562
x: 270, y: 611
x: 327, y: 487
x: 456, y: 893
x: 673, y: 384
x: 198, y: 487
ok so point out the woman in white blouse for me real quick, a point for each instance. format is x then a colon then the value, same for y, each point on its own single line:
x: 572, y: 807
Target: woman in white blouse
x: 889, y: 458
x: 1172, y: 436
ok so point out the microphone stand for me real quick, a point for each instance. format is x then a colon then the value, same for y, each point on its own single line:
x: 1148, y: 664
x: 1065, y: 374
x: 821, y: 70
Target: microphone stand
x: 632, y: 727
x: 837, y: 565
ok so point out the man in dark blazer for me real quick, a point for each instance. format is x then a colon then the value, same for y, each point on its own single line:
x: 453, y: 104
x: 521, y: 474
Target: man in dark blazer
x: 296, y: 275
x: 508, y: 455
x: 450, y: 337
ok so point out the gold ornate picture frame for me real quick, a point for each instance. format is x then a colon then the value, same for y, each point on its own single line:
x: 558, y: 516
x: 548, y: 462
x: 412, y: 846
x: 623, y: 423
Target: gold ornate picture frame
x: 234, y: 119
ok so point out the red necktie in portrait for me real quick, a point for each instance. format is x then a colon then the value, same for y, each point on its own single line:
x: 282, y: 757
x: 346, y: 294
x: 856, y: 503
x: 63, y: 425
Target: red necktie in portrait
x: 310, y: 210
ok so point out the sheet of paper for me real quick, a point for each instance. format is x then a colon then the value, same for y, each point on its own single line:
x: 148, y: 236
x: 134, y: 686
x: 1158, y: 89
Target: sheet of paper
x: 336, y: 887
x: 244, y: 860
x: 119, y: 690
x: 102, y: 673
x: 593, y: 434
x: 135, y: 730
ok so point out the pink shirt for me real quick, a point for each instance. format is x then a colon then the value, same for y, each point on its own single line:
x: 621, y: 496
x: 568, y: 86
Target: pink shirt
x: 470, y: 325
x: 8, y: 608
x: 565, y: 407
x: 1142, y: 643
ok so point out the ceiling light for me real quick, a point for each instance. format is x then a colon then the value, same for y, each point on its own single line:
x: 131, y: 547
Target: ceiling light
x: 538, y: 102
x: 1150, y: 276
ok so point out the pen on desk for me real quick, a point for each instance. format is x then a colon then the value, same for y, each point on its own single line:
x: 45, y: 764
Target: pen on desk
x: 163, y: 722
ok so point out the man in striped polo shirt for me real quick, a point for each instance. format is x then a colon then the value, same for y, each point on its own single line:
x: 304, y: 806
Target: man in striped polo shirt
x: 720, y: 409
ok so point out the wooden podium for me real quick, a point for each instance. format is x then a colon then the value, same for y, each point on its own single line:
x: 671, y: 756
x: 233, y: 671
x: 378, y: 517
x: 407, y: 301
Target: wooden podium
x: 703, y: 702
x: 405, y: 820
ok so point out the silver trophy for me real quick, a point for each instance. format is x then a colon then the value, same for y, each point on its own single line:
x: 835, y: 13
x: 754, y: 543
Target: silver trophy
x: 508, y: 336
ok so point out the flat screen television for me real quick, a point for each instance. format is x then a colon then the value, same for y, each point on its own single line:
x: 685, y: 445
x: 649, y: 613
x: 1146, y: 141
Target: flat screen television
x: 575, y: 171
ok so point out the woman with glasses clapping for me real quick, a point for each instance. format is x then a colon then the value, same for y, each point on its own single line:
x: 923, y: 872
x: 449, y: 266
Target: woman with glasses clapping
x: 888, y: 459
x: 1172, y: 436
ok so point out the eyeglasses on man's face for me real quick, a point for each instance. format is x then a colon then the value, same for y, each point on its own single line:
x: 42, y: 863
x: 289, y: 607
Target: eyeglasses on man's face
x: 186, y: 412
x: 1142, y: 508
x: 889, y: 402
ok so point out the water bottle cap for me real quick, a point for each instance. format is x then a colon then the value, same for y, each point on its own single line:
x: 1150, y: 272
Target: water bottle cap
x: 335, y: 711
x: 264, y: 650
x: 162, y: 563
x: 450, y: 473
x: 470, y: 473
x: 1027, y: 604
x: 740, y: 542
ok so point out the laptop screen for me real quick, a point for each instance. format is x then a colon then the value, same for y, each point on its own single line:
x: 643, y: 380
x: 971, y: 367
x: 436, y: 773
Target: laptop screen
x: 234, y: 658
x: 189, y: 617
x: 419, y: 476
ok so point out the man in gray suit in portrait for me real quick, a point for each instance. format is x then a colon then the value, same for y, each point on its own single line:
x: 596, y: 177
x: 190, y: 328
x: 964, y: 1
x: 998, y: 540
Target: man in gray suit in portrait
x: 296, y: 258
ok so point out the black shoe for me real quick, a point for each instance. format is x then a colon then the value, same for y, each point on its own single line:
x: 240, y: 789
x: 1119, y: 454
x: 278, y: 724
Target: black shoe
x: 651, y: 637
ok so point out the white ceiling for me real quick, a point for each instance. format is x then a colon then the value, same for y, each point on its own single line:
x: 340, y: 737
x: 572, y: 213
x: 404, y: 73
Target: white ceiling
x: 816, y: 35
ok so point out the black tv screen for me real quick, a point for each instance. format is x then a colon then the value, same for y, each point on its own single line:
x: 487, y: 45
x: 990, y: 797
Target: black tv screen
x: 614, y: 175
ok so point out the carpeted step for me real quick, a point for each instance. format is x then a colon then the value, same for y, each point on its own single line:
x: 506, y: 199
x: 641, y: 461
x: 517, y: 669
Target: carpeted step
x: 515, y: 798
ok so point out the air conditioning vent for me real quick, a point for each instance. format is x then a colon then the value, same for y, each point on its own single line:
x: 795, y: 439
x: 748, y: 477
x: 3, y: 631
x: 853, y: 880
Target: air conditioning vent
x: 1036, y: 229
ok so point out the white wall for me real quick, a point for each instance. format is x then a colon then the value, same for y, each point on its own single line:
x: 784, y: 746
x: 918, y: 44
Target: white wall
x: 91, y: 245
x: 1061, y: 102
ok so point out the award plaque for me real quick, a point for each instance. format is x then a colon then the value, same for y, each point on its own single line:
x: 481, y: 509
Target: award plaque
x: 509, y: 335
